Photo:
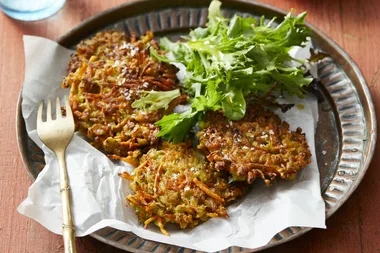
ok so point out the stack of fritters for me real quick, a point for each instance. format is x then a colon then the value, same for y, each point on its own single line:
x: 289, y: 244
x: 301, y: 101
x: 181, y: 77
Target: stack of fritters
x: 106, y: 75
x: 260, y: 145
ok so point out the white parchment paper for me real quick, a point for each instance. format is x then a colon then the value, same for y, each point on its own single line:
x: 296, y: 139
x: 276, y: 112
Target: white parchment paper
x: 98, y: 192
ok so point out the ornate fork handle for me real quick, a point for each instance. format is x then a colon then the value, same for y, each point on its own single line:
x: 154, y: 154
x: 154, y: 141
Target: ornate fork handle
x: 68, y: 230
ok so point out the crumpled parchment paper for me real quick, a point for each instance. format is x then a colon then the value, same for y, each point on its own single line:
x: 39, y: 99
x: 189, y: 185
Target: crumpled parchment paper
x: 99, y: 193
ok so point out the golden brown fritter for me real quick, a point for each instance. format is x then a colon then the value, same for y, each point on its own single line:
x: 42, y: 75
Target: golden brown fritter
x: 260, y: 145
x: 175, y: 184
x: 106, y: 75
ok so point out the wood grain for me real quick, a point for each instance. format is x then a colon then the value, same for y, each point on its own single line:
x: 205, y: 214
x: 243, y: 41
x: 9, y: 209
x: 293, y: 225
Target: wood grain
x: 355, y: 227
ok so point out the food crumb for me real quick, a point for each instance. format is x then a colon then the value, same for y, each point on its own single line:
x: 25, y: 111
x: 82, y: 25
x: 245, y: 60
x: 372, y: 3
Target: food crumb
x: 324, y: 152
x: 300, y: 106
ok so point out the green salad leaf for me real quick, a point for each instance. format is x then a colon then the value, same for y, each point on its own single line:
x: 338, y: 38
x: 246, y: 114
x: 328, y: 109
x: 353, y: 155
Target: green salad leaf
x: 176, y: 126
x: 230, y: 59
x: 154, y: 100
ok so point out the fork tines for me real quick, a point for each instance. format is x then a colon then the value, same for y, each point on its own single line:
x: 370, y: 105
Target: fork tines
x: 58, y: 114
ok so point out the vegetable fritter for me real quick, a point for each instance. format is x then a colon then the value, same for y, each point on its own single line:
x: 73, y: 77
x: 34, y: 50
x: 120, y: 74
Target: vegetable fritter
x: 106, y: 75
x: 175, y: 184
x: 258, y: 146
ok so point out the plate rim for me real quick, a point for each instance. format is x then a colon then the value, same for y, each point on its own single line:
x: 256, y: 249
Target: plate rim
x: 83, y: 26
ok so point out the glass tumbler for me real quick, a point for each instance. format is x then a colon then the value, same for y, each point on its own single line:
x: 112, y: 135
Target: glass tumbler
x: 29, y: 10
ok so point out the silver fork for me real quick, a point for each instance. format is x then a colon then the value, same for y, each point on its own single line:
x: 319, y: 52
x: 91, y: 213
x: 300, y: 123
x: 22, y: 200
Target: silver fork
x: 56, y: 135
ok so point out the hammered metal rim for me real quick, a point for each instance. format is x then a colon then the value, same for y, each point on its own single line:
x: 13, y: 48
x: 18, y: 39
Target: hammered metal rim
x: 335, y: 196
x: 372, y: 131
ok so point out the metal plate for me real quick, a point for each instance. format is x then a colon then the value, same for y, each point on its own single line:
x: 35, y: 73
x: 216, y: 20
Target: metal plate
x: 346, y: 132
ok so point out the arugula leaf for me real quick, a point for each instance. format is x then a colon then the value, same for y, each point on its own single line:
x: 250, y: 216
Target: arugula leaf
x: 154, y: 100
x: 293, y: 83
x: 153, y: 53
x: 241, y: 26
x: 234, y: 105
x: 176, y: 126
x: 210, y: 100
x: 214, y: 16
x: 231, y: 59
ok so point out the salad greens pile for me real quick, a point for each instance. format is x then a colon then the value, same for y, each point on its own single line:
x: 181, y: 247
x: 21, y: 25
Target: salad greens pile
x: 231, y: 59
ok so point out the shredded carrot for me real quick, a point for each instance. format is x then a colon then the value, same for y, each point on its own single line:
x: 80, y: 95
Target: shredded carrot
x: 212, y: 215
x: 133, y: 200
x: 146, y: 196
x: 126, y: 176
x: 206, y: 190
x: 161, y: 226
x: 141, y: 165
x: 170, y: 216
x: 125, y: 159
x: 145, y: 68
x: 146, y: 223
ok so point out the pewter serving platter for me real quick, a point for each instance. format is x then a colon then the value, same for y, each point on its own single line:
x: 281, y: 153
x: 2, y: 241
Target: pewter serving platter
x: 346, y: 132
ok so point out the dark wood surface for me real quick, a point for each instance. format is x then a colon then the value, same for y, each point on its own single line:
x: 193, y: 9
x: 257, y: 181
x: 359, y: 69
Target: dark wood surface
x: 355, y: 227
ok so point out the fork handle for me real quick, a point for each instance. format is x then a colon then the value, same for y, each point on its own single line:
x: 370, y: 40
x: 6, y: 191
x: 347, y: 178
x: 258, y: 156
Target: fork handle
x: 68, y: 230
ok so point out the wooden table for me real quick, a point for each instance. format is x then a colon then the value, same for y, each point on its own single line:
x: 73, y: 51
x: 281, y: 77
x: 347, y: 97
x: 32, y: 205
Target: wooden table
x: 355, y: 227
